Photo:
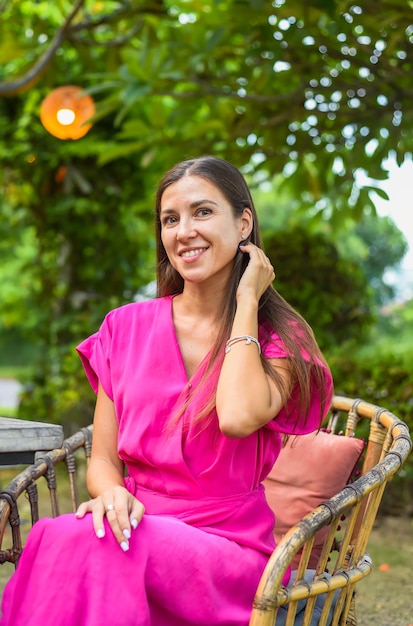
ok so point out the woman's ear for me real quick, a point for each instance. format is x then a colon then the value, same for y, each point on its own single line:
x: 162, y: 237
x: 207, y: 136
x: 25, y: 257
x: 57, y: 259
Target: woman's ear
x: 246, y: 223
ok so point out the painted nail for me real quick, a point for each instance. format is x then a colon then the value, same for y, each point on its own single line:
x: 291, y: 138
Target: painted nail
x: 126, y: 533
x: 134, y: 523
x: 125, y: 546
x: 100, y: 533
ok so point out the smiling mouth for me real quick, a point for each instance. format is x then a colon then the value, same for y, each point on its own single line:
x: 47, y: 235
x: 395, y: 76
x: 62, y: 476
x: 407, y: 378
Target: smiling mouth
x: 190, y: 253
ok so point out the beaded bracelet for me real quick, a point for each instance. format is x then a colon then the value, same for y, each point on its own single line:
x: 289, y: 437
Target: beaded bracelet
x: 248, y: 339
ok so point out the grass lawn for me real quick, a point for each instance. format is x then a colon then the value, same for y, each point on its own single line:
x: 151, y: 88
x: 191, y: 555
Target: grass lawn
x: 385, y: 597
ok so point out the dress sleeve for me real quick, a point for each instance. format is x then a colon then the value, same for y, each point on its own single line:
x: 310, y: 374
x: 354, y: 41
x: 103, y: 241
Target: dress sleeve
x: 95, y: 354
x: 289, y: 421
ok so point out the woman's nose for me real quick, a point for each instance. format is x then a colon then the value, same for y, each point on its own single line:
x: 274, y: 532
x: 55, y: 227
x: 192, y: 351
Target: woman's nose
x: 185, y: 230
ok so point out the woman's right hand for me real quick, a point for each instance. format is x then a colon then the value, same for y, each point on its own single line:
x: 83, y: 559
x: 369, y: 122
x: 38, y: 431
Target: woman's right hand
x: 122, y: 510
x: 258, y: 275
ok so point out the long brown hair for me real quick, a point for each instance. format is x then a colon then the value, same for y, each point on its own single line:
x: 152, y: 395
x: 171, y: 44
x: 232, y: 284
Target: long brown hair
x: 289, y: 325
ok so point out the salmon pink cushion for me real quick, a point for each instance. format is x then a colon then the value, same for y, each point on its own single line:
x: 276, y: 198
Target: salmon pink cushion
x: 310, y: 469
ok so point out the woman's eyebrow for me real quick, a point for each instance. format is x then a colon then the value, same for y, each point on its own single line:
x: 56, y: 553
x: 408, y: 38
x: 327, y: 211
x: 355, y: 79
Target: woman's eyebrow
x: 193, y: 205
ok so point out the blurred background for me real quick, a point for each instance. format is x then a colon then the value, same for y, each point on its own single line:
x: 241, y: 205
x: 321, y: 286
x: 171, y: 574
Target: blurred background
x: 312, y: 101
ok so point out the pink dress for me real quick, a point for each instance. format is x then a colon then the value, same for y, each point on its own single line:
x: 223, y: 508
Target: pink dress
x: 198, y: 554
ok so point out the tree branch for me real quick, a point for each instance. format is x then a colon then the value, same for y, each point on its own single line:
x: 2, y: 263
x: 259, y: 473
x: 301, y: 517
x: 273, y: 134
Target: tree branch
x: 3, y: 4
x: 92, y: 22
x: 113, y: 43
x: 68, y: 31
x: 13, y: 87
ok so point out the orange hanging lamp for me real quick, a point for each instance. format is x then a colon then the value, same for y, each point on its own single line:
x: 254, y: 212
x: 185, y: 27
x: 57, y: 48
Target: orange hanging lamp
x: 65, y: 112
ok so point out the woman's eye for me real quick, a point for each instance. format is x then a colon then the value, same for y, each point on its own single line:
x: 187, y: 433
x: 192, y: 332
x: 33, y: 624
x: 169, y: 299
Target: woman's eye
x: 204, y: 212
x: 171, y: 219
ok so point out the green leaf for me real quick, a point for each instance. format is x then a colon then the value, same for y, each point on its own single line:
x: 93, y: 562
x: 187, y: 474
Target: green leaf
x: 377, y: 190
x: 120, y: 151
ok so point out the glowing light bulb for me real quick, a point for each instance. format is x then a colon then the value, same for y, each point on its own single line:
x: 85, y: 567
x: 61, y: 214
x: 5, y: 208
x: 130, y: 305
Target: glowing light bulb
x: 66, y: 112
x: 65, y: 116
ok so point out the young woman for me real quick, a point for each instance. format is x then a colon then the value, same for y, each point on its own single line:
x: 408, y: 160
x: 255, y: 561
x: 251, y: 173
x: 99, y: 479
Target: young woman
x: 195, y: 389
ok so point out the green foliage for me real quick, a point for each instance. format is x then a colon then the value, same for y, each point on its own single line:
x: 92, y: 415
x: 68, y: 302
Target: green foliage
x: 297, y: 93
x: 324, y: 87
x: 383, y: 377
x: 77, y: 239
x: 386, y: 247
x: 328, y: 289
x: 59, y: 393
x: 82, y: 230
x: 381, y: 369
x: 369, y: 246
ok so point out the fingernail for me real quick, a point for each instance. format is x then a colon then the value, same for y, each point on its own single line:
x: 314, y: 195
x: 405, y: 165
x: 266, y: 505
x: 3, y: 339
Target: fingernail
x: 126, y: 533
x: 100, y: 533
x: 134, y: 523
x: 125, y: 546
x: 77, y: 513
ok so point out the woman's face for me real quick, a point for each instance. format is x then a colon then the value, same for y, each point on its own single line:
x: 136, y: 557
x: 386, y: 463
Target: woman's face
x: 199, y: 231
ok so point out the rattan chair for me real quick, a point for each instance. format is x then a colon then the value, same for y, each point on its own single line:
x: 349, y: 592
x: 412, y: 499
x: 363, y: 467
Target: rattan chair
x: 345, y: 549
x: 350, y: 516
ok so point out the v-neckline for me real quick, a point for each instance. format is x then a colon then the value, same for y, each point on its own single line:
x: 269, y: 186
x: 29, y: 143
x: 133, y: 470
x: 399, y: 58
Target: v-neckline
x: 179, y: 351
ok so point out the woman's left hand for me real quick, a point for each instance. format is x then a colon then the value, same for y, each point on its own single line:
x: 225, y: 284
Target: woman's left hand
x: 122, y: 510
x: 258, y: 275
